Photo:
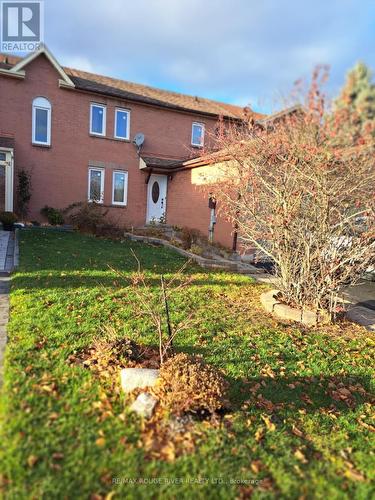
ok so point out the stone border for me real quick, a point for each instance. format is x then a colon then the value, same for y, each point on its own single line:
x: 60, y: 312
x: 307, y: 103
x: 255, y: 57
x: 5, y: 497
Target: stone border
x: 217, y: 263
x: 272, y: 305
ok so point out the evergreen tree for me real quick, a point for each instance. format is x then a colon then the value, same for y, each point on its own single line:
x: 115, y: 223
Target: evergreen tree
x: 357, y: 97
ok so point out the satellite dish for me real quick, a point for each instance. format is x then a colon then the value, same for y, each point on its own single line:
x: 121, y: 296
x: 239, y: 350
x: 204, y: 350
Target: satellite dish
x: 139, y: 139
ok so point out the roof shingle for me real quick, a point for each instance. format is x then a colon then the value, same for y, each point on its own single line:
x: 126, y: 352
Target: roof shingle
x: 106, y: 85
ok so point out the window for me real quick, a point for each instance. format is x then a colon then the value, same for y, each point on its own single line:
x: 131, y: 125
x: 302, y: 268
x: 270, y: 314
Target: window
x: 197, y: 134
x: 122, y: 123
x: 41, y: 121
x: 97, y: 119
x: 96, y: 185
x: 119, y: 187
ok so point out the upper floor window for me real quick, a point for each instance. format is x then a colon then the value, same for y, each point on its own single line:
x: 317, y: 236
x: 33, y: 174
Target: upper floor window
x: 122, y: 123
x: 197, y: 134
x: 41, y: 121
x: 97, y: 119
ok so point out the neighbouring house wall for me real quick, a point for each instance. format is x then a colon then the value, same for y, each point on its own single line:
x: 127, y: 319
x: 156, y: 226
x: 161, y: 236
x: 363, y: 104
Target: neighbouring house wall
x: 187, y: 203
x: 60, y: 172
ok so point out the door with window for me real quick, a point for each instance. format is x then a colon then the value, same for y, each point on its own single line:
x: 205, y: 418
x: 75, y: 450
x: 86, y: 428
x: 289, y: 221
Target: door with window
x: 6, y: 180
x: 157, y: 198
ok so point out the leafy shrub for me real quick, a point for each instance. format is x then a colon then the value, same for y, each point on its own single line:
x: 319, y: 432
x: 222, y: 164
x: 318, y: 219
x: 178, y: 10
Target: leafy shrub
x: 23, y: 192
x: 86, y: 215
x: 53, y: 215
x: 188, y: 384
x: 190, y: 237
x: 8, y: 218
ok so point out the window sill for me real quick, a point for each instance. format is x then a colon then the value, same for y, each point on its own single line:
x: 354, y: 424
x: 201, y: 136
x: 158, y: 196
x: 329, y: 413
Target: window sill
x: 100, y: 136
x: 46, y: 146
x: 119, y: 139
x: 196, y: 146
x: 113, y: 205
x: 109, y: 138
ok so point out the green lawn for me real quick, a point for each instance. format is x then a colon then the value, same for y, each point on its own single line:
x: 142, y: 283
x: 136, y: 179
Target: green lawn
x: 287, y: 429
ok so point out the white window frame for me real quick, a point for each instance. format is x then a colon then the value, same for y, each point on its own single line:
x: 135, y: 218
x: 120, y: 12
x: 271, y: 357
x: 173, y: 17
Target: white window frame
x: 127, y: 111
x: 194, y: 124
x: 44, y: 104
x: 125, y: 202
x: 96, y: 169
x: 104, y: 108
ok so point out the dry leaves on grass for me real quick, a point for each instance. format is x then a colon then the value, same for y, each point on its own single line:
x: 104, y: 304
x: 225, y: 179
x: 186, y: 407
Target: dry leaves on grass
x: 106, y: 357
x: 167, y: 439
x: 188, y: 384
x: 346, y: 393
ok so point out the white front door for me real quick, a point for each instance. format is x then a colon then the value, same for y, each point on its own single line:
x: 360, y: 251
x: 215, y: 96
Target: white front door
x: 157, y: 198
x: 6, y: 180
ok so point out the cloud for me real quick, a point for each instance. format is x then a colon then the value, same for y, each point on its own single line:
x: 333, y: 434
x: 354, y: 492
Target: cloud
x: 216, y: 48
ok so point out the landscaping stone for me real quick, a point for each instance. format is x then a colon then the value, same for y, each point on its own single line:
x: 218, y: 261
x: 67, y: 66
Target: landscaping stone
x: 214, y: 263
x: 144, y: 405
x: 272, y: 305
x: 138, y: 378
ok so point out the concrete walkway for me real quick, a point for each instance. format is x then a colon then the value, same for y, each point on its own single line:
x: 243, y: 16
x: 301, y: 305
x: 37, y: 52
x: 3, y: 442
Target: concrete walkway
x: 361, y: 300
x: 4, y: 240
x: 4, y: 316
x: 7, y: 247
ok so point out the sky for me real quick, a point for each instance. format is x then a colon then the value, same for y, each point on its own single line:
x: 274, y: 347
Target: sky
x: 245, y: 52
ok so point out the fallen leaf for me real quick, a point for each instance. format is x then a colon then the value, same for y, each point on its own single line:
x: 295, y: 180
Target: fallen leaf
x: 168, y: 451
x: 297, y: 432
x: 255, y: 466
x: 259, y: 434
x: 270, y: 426
x: 32, y: 460
x: 354, y: 475
x: 100, y: 442
x: 300, y: 456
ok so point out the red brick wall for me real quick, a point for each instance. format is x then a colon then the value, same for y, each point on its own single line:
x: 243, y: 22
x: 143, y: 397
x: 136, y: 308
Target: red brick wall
x: 60, y: 172
x: 187, y: 205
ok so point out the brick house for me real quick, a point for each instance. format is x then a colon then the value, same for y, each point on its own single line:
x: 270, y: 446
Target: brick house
x: 74, y: 132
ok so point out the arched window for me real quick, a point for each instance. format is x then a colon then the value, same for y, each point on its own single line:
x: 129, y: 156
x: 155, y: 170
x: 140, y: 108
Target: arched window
x: 41, y: 128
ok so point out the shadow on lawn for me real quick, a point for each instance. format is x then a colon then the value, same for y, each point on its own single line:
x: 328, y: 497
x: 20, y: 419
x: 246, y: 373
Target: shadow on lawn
x: 108, y: 279
x: 291, y: 393
x: 311, y: 394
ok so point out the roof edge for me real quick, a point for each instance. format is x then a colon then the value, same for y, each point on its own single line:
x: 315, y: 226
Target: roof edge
x: 18, y: 69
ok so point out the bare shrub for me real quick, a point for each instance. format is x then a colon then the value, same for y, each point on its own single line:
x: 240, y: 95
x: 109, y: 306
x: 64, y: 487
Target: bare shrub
x: 188, y: 384
x: 156, y: 304
x: 302, y: 192
x: 190, y: 237
x: 86, y: 215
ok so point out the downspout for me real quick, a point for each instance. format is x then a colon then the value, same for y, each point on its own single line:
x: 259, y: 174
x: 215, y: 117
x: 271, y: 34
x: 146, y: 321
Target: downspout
x: 235, y: 232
